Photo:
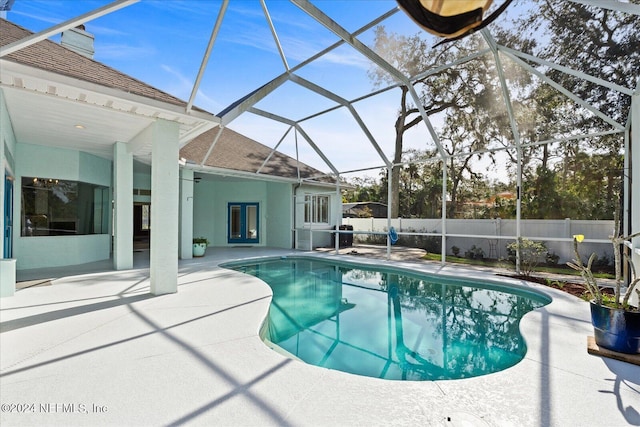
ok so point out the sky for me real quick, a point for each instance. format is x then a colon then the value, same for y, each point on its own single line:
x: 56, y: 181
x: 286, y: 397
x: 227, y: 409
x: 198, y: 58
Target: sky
x: 162, y: 42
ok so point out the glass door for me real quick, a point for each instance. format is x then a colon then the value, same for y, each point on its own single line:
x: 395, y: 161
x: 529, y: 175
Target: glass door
x: 244, y: 223
x: 8, y: 218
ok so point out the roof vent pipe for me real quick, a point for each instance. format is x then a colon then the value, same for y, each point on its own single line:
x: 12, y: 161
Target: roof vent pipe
x: 78, y: 40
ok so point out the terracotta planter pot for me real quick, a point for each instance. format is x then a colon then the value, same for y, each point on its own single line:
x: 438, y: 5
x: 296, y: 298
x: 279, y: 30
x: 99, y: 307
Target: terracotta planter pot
x: 616, y: 329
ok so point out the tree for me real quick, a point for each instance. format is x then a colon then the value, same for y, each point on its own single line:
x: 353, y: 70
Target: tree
x: 364, y: 189
x: 604, y: 44
x: 597, y: 41
x: 589, y: 39
x: 437, y: 92
x: 420, y: 183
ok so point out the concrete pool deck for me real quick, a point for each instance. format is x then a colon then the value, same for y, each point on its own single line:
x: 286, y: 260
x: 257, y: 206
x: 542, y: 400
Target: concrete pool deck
x: 98, y: 349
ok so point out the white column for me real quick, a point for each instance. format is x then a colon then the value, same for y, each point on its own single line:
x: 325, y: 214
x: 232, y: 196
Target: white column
x: 2, y: 196
x: 164, y: 207
x: 634, y: 189
x: 186, y: 214
x: 7, y: 277
x: 123, y: 207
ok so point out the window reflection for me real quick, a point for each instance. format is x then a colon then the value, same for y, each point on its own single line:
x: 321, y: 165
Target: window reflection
x: 55, y: 207
x: 392, y: 325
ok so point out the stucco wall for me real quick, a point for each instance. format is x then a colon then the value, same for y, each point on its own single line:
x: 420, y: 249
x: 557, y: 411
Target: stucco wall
x: 210, y: 207
x: 279, y: 215
x: 50, y: 251
x: 141, y: 181
x: 211, y: 199
x: 306, y: 238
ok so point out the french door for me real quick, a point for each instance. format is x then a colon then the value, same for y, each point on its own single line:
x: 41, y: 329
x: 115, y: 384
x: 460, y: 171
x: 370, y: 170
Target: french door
x: 8, y: 218
x: 244, y: 223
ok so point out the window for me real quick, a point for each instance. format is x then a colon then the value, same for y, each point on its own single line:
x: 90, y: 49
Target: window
x: 316, y: 209
x: 243, y: 223
x: 53, y: 207
x: 146, y: 218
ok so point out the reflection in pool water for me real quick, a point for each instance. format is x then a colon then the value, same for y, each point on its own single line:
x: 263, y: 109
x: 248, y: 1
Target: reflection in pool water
x: 390, y: 323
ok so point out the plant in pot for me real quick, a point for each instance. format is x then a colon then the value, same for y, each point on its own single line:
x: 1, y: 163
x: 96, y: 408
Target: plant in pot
x: 616, y: 323
x: 199, y: 246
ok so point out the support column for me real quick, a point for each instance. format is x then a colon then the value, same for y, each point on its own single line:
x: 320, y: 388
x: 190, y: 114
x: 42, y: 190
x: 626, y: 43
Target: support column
x: 634, y: 190
x: 123, y: 207
x: 186, y: 214
x: 164, y: 207
x: 7, y: 277
x: 3, y: 179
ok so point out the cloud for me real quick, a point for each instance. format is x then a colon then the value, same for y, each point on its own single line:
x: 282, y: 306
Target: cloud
x: 122, y: 51
x: 351, y: 58
x: 37, y: 17
x: 183, y: 86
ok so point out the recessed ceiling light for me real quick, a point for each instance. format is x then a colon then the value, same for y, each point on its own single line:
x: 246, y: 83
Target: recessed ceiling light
x: 79, y: 127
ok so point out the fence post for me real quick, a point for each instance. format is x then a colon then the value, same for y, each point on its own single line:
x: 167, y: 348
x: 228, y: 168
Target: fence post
x: 499, y: 234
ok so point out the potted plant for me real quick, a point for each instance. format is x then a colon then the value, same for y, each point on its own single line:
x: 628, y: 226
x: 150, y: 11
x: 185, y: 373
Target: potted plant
x: 616, y: 323
x: 199, y: 246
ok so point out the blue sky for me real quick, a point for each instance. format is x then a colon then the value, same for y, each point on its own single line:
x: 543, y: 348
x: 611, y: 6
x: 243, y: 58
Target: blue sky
x: 161, y: 42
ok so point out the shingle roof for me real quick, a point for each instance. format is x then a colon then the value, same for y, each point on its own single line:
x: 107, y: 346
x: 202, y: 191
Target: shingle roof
x: 232, y: 151
x: 50, y: 56
x: 237, y: 152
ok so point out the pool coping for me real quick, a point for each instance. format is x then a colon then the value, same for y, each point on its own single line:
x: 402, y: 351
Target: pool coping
x: 196, y: 357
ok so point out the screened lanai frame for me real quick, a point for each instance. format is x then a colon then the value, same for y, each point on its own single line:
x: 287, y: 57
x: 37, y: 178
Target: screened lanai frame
x: 247, y: 104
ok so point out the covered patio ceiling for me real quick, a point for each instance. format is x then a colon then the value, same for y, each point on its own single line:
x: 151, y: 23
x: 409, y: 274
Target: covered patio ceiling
x: 295, y: 109
x: 77, y: 115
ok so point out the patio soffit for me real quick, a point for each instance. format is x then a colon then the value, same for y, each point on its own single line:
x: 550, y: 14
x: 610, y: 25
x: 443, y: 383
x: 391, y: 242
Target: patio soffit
x: 60, y: 111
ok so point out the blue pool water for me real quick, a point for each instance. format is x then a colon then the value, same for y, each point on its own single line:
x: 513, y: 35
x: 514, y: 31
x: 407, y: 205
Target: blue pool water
x: 391, y: 324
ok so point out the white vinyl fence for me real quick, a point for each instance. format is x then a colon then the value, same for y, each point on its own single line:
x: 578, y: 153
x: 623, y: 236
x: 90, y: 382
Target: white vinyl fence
x: 493, y: 235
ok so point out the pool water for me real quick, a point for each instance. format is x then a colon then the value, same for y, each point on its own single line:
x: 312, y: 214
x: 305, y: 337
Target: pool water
x: 392, y: 324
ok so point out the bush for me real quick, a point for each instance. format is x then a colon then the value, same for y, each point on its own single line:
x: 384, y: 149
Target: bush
x: 552, y: 258
x: 430, y: 244
x: 531, y: 254
x: 474, y: 253
x: 371, y: 239
x: 455, y: 250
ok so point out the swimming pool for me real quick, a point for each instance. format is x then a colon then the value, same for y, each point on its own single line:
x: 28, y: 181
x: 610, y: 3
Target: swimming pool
x: 391, y: 323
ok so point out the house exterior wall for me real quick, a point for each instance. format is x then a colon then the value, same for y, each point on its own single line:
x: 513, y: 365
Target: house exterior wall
x: 210, y: 216
x: 309, y: 235
x: 141, y: 181
x: 279, y: 215
x: 211, y: 199
x: 47, y: 162
x: 7, y: 156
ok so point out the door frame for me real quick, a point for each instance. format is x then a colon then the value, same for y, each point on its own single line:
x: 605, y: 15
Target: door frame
x: 244, y: 238
x: 7, y: 233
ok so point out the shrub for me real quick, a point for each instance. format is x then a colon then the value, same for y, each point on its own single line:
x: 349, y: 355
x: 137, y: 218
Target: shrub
x: 430, y: 244
x: 372, y: 239
x: 531, y: 254
x: 474, y: 253
x: 602, y: 264
x: 455, y: 250
x: 552, y: 258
